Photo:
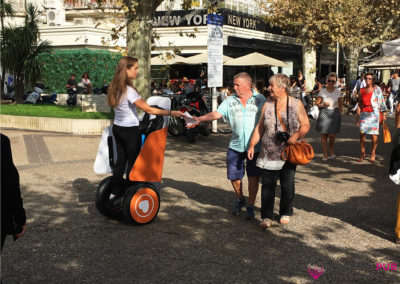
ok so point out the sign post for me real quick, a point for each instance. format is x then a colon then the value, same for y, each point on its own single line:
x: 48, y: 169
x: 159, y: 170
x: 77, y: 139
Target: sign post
x: 215, y: 59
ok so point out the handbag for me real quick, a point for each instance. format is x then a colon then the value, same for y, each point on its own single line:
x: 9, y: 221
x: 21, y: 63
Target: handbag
x: 300, y: 153
x: 314, y: 112
x: 387, y: 137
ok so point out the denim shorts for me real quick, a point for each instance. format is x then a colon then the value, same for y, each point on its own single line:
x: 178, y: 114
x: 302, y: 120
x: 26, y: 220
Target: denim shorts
x: 235, y: 163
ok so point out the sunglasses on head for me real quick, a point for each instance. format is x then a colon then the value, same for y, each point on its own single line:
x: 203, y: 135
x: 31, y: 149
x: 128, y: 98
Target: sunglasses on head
x: 331, y: 81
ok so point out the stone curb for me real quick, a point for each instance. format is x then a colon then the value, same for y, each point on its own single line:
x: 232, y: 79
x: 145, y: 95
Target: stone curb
x: 64, y: 125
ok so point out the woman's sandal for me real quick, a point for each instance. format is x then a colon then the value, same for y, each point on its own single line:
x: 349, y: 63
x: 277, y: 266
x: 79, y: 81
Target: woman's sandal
x: 372, y: 160
x: 362, y: 157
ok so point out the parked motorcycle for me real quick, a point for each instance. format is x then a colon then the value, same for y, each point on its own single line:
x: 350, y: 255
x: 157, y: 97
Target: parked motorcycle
x: 194, y: 104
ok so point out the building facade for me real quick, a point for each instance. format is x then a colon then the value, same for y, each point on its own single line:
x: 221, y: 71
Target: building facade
x: 78, y: 23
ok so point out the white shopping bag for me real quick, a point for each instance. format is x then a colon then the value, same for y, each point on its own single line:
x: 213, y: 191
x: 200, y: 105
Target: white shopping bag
x: 102, y: 162
x: 189, y: 119
x: 314, y: 112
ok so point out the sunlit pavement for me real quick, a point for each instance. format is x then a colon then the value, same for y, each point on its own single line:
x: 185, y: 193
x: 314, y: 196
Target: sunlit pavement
x: 343, y: 221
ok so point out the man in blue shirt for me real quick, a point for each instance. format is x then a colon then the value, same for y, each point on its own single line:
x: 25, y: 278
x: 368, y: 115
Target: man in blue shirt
x: 242, y: 111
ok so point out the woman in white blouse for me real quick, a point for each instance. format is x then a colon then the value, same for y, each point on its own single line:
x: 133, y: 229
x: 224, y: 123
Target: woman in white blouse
x: 330, y: 102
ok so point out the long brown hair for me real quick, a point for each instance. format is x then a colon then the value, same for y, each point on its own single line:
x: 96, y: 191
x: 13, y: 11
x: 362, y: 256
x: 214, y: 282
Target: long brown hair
x: 120, y: 81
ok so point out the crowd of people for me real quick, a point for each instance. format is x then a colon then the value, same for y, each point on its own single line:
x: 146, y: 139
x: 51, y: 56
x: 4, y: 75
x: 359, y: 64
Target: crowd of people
x: 263, y: 125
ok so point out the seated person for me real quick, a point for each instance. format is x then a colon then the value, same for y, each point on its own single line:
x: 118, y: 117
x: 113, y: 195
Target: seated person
x: 72, y: 85
x: 86, y: 84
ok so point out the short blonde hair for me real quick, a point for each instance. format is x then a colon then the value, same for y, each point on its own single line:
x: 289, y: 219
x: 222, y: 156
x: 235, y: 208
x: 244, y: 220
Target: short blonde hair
x: 281, y: 81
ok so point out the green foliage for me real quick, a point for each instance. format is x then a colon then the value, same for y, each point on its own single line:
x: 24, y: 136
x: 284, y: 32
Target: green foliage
x: 57, y: 66
x: 20, y: 47
x: 52, y: 111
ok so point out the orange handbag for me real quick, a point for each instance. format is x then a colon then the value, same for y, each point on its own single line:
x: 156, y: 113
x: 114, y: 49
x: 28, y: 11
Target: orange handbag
x: 387, y: 137
x: 300, y: 153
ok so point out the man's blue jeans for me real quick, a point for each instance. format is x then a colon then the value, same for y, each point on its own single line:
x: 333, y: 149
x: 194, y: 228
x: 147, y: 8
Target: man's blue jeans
x: 269, y: 180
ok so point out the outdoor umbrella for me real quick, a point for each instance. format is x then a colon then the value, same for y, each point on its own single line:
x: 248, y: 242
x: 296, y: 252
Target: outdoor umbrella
x: 203, y: 58
x: 384, y: 62
x: 255, y: 59
x: 167, y: 60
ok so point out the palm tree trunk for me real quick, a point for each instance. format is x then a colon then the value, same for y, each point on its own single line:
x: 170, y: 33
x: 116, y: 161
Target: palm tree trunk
x: 19, y: 89
x: 139, y: 31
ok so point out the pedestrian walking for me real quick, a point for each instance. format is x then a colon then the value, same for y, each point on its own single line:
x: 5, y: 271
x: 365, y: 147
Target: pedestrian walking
x: 395, y: 167
x: 283, y: 121
x: 241, y: 111
x: 330, y: 103
x: 123, y: 98
x: 394, y: 90
x: 371, y: 105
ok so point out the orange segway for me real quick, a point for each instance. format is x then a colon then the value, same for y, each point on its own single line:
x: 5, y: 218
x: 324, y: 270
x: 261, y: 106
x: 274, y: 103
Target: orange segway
x: 139, y: 201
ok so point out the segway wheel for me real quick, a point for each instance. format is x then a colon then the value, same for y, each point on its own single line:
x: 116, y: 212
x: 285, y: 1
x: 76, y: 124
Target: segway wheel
x: 141, y: 203
x: 105, y: 200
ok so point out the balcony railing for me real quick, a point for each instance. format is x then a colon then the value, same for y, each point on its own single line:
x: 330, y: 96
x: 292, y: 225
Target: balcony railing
x: 90, y: 4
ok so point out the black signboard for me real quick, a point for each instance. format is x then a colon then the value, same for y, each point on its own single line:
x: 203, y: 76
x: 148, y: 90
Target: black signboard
x: 183, y: 18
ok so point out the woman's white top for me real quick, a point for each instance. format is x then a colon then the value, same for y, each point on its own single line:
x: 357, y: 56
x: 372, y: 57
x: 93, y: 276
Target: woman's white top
x: 330, y: 97
x: 125, y: 113
x: 85, y: 81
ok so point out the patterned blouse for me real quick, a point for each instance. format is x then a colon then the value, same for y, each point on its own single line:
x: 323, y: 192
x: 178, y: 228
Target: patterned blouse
x: 271, y: 148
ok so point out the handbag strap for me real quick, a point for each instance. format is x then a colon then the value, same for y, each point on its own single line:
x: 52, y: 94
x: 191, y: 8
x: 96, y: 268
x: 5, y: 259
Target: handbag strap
x: 287, y: 115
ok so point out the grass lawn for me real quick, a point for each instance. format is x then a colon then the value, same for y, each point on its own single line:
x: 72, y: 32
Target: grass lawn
x: 51, y: 111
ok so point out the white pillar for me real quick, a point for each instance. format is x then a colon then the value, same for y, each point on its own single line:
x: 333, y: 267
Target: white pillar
x: 214, y: 105
x: 385, y: 76
x: 337, y: 59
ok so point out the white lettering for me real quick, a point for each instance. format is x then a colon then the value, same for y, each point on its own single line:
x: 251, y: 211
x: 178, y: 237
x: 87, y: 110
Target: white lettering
x: 164, y: 21
x: 156, y: 21
x: 230, y: 20
x: 238, y: 20
x: 189, y: 19
x: 197, y: 20
x: 246, y: 23
x: 174, y: 20
x: 253, y: 24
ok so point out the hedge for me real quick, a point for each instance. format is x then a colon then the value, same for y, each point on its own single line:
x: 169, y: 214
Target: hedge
x: 57, y: 66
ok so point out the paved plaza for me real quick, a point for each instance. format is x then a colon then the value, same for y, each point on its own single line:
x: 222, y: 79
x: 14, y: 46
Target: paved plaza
x: 343, y: 220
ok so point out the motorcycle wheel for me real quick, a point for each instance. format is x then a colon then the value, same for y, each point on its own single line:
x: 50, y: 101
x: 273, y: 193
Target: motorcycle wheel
x: 141, y: 203
x: 105, y: 200
x: 175, y: 126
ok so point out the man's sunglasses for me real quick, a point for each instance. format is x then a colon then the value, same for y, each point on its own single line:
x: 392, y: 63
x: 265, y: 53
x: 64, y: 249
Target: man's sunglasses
x: 331, y: 81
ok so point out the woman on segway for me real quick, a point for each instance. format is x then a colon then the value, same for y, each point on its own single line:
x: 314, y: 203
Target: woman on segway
x: 123, y: 98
